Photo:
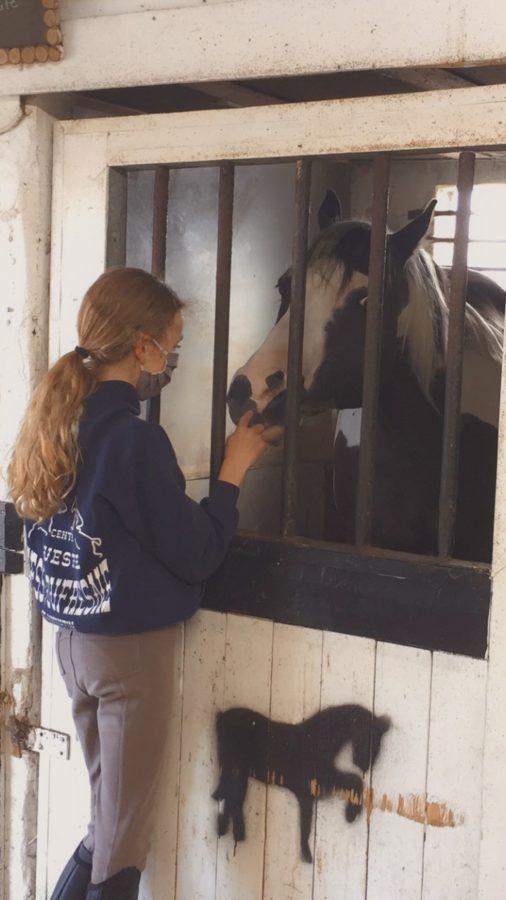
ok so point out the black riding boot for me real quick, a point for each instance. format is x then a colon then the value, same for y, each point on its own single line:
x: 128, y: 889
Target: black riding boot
x: 122, y: 886
x: 76, y: 876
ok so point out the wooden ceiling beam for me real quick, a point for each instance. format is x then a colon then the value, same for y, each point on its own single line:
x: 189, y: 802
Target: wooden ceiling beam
x: 428, y: 79
x: 234, y: 94
x: 104, y: 107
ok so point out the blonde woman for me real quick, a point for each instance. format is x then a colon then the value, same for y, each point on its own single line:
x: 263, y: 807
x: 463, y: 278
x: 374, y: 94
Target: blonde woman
x: 118, y: 554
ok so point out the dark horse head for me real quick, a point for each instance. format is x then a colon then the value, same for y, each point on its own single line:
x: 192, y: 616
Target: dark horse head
x: 415, y: 324
x: 334, y: 324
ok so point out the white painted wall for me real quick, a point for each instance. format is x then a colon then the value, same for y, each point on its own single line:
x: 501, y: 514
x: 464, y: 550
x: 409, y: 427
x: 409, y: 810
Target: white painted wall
x: 492, y: 872
x: 433, y: 750
x: 260, y: 38
x: 88, y: 9
x: 25, y: 215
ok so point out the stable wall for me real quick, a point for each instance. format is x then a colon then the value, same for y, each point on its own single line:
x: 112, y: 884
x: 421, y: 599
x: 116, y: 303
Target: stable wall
x: 25, y: 221
x: 433, y: 749
x: 454, y: 690
x: 167, y: 42
x: 435, y: 744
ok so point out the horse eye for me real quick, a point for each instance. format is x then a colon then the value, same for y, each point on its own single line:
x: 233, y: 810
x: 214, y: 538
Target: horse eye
x: 359, y: 295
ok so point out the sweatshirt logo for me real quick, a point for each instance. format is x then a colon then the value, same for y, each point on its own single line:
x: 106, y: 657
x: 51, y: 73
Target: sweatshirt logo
x: 78, y: 525
x: 68, y: 570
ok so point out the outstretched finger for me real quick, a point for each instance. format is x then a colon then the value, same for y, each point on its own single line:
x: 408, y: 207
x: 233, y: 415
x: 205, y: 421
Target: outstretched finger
x: 245, y: 418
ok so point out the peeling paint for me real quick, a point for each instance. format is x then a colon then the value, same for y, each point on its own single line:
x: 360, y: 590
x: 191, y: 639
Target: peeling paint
x: 415, y: 807
x: 17, y: 731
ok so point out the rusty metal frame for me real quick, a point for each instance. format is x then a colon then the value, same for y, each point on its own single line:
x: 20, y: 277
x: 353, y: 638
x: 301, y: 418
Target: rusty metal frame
x: 454, y: 358
x: 377, y: 332
x: 372, y: 349
x: 316, y: 584
x: 222, y: 316
x: 158, y: 253
x: 295, y: 345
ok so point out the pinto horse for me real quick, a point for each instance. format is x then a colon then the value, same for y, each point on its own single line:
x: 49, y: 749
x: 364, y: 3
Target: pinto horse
x: 411, y: 395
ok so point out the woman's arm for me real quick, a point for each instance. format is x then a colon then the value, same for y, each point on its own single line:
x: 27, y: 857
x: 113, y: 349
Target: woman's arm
x: 189, y: 538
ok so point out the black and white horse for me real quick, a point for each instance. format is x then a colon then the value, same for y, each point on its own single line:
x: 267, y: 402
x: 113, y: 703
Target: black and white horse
x: 410, y: 420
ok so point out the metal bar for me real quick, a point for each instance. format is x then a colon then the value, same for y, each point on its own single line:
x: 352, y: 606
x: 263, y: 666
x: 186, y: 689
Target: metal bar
x: 222, y: 316
x: 160, y: 207
x: 454, y: 356
x: 295, y: 344
x: 372, y: 349
x: 117, y: 218
x: 488, y: 268
x: 158, y: 253
x: 470, y: 241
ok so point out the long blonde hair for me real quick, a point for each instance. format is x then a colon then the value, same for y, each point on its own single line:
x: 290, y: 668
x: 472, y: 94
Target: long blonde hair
x: 119, y: 306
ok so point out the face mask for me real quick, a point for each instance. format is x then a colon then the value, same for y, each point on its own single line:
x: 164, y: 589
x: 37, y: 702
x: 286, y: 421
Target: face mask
x: 150, y: 384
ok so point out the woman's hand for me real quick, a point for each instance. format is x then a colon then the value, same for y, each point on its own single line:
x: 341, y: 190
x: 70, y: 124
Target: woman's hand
x: 242, y: 449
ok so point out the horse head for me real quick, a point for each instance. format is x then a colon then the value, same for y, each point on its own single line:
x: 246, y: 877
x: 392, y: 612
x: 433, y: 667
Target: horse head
x: 366, y: 751
x: 337, y: 278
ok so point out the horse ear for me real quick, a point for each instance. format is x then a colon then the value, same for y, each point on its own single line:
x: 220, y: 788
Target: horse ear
x: 330, y: 210
x: 406, y: 240
x: 383, y: 723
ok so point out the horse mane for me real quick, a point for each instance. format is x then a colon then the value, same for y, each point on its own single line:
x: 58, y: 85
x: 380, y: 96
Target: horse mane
x: 423, y: 323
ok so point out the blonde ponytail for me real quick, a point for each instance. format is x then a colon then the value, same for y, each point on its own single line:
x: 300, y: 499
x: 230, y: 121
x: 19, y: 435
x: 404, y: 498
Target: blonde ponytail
x: 44, y: 464
x: 120, y: 305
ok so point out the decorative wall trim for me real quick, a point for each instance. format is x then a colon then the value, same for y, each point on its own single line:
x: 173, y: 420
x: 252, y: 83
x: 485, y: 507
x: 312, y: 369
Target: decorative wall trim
x: 30, y: 32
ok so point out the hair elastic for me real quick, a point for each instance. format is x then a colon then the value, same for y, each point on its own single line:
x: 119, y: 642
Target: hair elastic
x: 82, y: 352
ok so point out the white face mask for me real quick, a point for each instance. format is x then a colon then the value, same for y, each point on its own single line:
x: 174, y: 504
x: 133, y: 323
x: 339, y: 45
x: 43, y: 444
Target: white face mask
x: 150, y: 384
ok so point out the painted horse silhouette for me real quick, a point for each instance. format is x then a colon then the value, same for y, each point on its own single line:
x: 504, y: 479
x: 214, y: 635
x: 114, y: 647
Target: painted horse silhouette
x: 300, y: 758
x: 410, y: 414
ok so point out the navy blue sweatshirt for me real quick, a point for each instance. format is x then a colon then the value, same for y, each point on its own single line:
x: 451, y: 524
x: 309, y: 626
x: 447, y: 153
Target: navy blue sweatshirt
x: 129, y: 551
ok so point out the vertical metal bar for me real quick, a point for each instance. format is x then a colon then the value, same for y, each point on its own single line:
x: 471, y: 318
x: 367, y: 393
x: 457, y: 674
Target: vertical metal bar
x: 454, y: 356
x: 158, y: 253
x: 372, y: 349
x: 117, y: 218
x: 222, y: 316
x: 295, y: 344
x: 160, y: 207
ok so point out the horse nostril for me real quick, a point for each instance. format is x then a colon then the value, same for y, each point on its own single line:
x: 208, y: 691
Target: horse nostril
x: 240, y: 389
x: 274, y: 380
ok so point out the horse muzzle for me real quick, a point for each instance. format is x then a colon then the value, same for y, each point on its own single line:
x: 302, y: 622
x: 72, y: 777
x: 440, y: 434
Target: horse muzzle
x: 239, y: 399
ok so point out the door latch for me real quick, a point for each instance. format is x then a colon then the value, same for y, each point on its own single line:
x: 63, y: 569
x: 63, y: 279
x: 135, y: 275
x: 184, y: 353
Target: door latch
x: 39, y: 740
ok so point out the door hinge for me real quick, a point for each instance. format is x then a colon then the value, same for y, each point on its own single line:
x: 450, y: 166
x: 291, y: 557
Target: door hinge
x: 39, y: 740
